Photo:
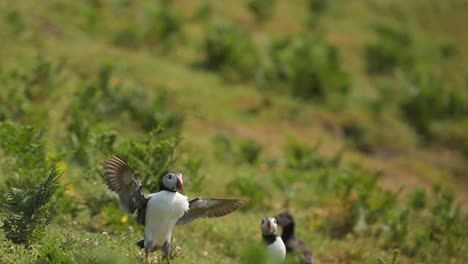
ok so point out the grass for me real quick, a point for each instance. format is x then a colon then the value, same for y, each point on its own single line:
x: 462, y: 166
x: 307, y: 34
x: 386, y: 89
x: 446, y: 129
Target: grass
x: 333, y: 164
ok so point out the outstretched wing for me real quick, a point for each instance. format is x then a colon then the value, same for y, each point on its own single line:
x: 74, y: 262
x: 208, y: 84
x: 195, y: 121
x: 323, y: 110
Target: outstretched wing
x: 209, y: 207
x: 121, y: 179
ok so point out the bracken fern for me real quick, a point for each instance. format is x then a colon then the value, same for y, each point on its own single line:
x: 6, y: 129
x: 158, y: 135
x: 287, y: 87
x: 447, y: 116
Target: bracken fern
x: 26, y: 211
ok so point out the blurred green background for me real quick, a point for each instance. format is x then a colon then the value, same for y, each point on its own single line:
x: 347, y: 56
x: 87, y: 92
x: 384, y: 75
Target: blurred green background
x: 352, y: 115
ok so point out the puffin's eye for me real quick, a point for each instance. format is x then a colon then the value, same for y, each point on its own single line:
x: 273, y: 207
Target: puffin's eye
x: 170, y: 176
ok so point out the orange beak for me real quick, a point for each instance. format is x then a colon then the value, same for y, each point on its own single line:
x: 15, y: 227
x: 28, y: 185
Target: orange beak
x: 180, y: 185
x: 270, y: 225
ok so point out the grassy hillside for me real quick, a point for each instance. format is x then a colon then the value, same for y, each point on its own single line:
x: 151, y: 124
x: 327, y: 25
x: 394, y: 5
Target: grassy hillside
x: 352, y: 115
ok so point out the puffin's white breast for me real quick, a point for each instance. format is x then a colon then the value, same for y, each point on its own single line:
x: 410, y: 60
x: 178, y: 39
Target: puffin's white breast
x: 278, y: 250
x: 162, y: 212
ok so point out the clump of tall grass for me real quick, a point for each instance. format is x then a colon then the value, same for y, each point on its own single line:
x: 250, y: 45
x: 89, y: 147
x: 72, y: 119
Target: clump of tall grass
x: 261, y: 9
x: 231, y: 51
x: 392, y: 49
x: 305, y: 68
x: 236, y: 150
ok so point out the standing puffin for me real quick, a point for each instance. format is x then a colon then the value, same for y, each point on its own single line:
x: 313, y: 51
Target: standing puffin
x: 274, y: 243
x: 159, y: 212
x: 286, y: 220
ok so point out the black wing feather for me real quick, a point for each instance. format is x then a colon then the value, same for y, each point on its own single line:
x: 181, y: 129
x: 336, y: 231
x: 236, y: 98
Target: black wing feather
x: 305, y: 252
x: 121, y: 179
x: 209, y: 207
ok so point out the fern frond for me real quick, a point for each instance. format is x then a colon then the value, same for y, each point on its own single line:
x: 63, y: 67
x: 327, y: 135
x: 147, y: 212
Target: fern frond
x: 24, y: 211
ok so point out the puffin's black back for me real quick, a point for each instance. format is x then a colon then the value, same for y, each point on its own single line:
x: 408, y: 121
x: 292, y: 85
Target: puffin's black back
x: 286, y: 221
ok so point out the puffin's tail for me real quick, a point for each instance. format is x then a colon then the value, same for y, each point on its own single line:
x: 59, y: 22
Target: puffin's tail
x: 141, y: 243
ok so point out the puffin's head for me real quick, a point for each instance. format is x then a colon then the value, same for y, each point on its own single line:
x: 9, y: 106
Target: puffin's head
x: 268, y: 226
x: 284, y: 219
x: 173, y: 181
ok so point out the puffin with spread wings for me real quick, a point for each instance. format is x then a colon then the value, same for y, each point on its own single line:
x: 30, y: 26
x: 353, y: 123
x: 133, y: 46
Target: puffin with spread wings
x: 159, y: 212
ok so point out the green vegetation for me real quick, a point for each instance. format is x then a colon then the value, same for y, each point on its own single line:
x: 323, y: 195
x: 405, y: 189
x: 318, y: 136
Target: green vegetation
x: 262, y: 9
x: 352, y: 115
x: 23, y: 211
x: 427, y: 100
x: 306, y: 69
x: 394, y: 258
x: 231, y: 51
x: 155, y: 27
x: 393, y: 49
x: 26, y: 206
